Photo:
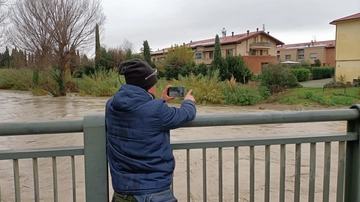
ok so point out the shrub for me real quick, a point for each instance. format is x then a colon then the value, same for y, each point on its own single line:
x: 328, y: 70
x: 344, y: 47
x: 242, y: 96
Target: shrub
x: 317, y: 63
x: 201, y: 69
x: 173, y: 72
x: 322, y: 72
x: 237, y: 67
x: 206, y: 89
x: 242, y: 95
x: 278, y: 75
x: 16, y: 79
x: 301, y: 74
x: 101, y: 83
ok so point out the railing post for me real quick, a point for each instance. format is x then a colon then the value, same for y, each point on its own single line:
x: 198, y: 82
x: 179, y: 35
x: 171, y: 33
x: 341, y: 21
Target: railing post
x: 96, y: 168
x: 352, y: 175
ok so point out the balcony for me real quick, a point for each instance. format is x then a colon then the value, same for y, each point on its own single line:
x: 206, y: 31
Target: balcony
x: 260, y: 45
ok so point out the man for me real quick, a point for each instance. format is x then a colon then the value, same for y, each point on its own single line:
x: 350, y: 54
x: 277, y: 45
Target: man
x: 138, y: 135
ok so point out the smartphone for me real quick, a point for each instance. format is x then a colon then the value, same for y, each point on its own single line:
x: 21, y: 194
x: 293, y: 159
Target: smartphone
x: 176, y: 91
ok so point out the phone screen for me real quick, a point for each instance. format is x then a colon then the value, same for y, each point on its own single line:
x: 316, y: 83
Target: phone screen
x: 176, y: 91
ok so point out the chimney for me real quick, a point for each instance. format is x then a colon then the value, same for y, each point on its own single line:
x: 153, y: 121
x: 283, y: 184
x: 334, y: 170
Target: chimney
x: 190, y: 41
x: 184, y: 43
x: 232, y: 34
x: 247, y: 32
x: 257, y: 29
x: 312, y: 43
x: 268, y: 32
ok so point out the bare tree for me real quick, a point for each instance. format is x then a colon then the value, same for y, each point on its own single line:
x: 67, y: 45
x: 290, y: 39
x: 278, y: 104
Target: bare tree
x: 56, y: 29
x: 128, y: 48
x: 3, y: 16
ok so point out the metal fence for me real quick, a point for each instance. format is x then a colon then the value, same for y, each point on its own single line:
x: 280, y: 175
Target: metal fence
x: 96, y: 170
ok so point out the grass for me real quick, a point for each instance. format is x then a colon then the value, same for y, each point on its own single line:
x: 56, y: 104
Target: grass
x: 316, y: 96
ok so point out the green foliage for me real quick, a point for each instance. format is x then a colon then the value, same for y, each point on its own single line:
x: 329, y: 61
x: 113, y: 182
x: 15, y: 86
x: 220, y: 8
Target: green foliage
x: 101, y: 83
x: 301, y: 74
x: 236, y: 66
x: 322, y: 72
x: 330, y: 101
x: 218, y: 61
x: 278, y: 75
x: 264, y: 92
x: 303, y: 65
x: 242, y: 95
x: 15, y: 79
x: 5, y: 59
x: 206, y: 89
x: 201, y: 69
x: 98, y: 51
x: 178, y: 60
x: 146, y: 53
x: 317, y: 63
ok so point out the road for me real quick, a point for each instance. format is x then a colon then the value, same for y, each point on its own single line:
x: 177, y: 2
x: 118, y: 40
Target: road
x: 316, y: 83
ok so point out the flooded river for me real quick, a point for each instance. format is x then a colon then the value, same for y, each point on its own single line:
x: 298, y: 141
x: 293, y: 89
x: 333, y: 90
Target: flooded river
x: 18, y: 106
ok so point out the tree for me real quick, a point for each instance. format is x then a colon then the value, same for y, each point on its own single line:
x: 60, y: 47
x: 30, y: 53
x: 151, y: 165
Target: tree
x: 3, y: 17
x: 317, y: 63
x: 55, y: 29
x: 128, y: 48
x: 218, y: 62
x: 178, y: 60
x: 97, y: 47
x: 236, y: 67
x: 147, y: 54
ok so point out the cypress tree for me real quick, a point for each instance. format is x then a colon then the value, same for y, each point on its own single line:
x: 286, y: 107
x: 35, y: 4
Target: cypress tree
x: 218, y: 60
x: 146, y: 53
x: 97, y: 47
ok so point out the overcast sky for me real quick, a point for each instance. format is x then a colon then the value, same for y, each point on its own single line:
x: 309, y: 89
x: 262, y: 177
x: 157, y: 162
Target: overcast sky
x: 166, y: 22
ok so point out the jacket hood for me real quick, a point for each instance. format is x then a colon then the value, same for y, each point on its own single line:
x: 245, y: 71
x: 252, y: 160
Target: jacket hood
x: 130, y: 97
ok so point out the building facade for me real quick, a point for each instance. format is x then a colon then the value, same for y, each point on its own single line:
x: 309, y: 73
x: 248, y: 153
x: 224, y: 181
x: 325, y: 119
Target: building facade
x: 308, y: 52
x: 347, y: 54
x: 257, y: 48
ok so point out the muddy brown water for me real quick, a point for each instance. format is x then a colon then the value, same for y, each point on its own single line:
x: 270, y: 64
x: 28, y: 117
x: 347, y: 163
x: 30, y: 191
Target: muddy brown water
x: 18, y: 106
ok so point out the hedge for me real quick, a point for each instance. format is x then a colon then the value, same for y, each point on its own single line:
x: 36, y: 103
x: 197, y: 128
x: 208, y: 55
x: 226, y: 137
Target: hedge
x: 301, y: 74
x: 322, y: 72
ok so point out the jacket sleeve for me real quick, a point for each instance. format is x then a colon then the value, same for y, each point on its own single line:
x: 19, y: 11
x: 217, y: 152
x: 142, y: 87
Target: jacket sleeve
x: 173, y: 117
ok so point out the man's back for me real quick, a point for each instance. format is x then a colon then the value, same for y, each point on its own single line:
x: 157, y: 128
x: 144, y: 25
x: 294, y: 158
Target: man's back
x: 139, y: 152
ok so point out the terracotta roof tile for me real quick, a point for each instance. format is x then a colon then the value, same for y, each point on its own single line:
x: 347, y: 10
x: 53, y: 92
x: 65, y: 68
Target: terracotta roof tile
x: 236, y: 38
x: 350, y: 17
x: 326, y: 44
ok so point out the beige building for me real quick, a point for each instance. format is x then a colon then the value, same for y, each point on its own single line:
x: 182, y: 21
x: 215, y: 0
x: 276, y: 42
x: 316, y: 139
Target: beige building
x: 347, y: 47
x: 257, y: 48
x: 309, y: 52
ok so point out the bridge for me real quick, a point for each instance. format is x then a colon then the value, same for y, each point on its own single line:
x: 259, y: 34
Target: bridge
x: 96, y: 178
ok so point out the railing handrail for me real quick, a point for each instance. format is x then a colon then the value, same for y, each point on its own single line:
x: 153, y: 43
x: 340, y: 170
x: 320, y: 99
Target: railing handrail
x: 202, y: 120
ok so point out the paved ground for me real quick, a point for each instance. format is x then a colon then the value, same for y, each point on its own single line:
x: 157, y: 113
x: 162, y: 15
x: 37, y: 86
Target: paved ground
x: 316, y: 83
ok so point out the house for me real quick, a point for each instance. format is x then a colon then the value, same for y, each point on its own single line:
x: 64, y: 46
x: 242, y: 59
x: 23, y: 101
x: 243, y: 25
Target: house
x: 257, y: 48
x: 308, y: 52
x: 347, y: 54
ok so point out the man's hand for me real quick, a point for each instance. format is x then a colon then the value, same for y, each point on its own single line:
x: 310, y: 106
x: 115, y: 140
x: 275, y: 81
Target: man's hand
x: 165, y: 95
x: 190, y: 97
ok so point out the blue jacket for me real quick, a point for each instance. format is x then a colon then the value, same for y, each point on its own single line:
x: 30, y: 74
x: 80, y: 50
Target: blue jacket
x: 138, y: 137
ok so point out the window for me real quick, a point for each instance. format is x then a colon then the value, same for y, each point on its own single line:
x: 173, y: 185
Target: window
x: 287, y: 57
x: 252, y: 52
x: 313, y: 55
x: 301, y: 54
x: 198, y: 55
x: 261, y: 52
x: 229, y: 52
x: 211, y: 54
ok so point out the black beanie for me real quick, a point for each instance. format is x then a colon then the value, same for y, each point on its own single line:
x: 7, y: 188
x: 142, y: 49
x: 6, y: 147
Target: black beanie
x: 138, y: 73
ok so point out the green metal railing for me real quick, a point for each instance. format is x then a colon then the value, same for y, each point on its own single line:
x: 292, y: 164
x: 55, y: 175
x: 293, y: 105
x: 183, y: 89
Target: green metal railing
x: 96, y: 170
